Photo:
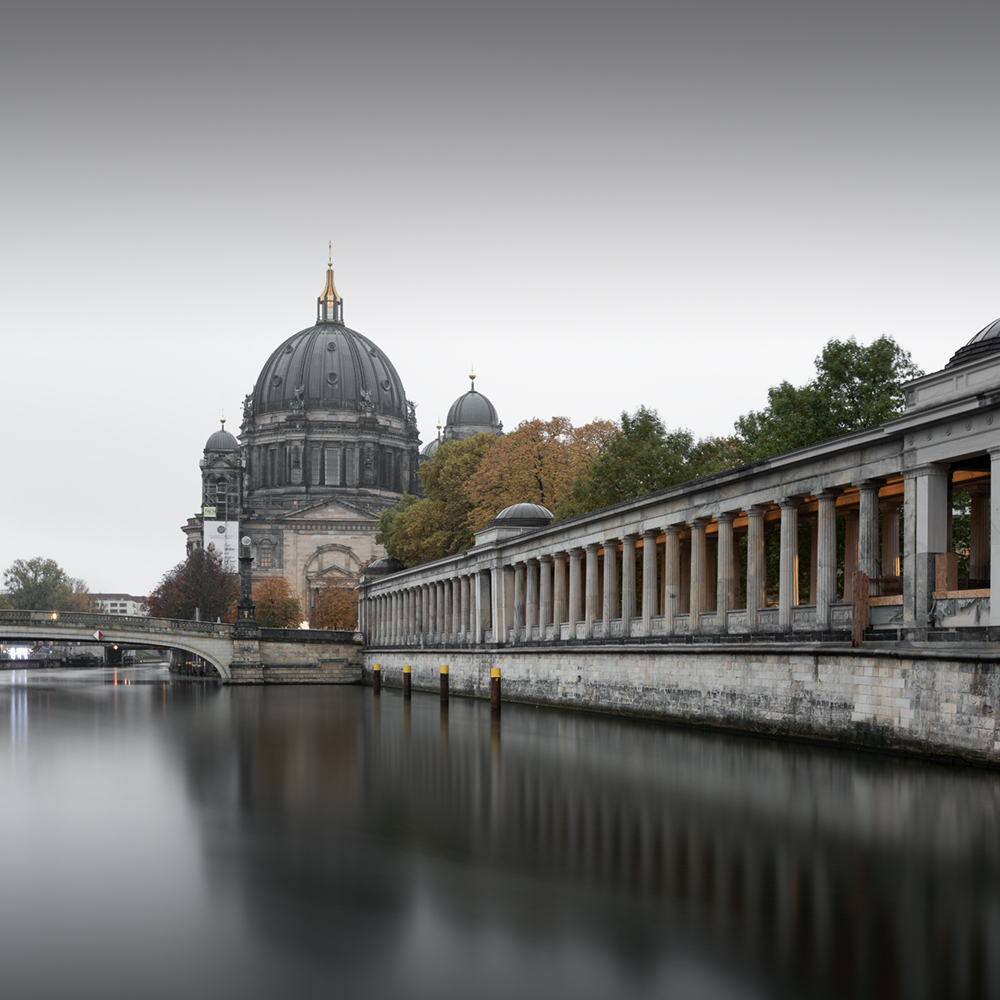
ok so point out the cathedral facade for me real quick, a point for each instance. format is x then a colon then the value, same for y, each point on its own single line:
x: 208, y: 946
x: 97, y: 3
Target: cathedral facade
x: 327, y: 442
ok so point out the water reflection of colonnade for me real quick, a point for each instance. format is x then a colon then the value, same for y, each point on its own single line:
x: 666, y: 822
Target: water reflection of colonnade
x: 853, y: 876
x: 770, y: 548
x: 836, y: 874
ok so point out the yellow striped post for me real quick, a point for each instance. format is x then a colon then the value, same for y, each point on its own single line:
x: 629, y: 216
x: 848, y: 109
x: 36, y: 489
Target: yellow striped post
x: 407, y: 683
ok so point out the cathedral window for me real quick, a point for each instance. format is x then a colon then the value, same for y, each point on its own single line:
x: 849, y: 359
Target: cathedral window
x: 265, y: 555
x: 332, y: 466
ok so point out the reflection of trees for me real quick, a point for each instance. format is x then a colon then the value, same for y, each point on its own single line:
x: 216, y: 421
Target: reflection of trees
x: 824, y: 870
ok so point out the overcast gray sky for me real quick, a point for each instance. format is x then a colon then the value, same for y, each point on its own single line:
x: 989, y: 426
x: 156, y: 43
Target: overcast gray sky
x: 599, y: 205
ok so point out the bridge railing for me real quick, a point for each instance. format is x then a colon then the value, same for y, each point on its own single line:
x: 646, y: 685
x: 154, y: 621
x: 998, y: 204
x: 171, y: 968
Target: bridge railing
x: 132, y: 623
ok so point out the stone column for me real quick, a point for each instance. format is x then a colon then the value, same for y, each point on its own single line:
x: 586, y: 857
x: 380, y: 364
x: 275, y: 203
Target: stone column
x: 545, y: 594
x: 560, y: 605
x: 432, y: 626
x: 575, y: 591
x: 467, y: 606
x: 463, y: 611
x: 611, y: 605
x: 890, y: 537
x: 484, y: 615
x: 649, y: 608
x: 443, y: 609
x: 531, y: 596
x: 456, y: 606
x: 788, y: 574
x: 520, y: 577
x: 813, y: 557
x: 826, y: 556
x: 496, y: 602
x: 671, y: 575
x: 756, y: 566
x: 868, y: 540
x: 628, y: 583
x: 393, y: 618
x: 593, y: 598
x: 734, y: 599
x: 979, y: 534
x: 711, y: 573
x: 507, y: 578
x: 850, y: 552
x: 725, y: 573
x: 698, y: 582
x: 925, y: 534
x: 685, y: 602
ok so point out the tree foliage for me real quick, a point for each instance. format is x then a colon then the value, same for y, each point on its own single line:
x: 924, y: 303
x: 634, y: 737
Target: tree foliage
x: 276, y: 605
x: 643, y: 457
x: 537, y: 463
x: 42, y: 585
x: 855, y: 387
x: 198, y: 582
x: 336, y: 608
x: 416, y: 531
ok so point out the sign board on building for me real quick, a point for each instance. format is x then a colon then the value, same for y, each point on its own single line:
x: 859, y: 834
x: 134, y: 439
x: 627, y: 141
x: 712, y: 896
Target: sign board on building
x: 223, y: 538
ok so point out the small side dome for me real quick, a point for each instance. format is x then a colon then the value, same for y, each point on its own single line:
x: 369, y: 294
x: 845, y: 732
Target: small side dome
x: 383, y: 566
x: 222, y: 441
x: 522, y: 515
x: 429, y: 449
x: 984, y: 343
x: 472, y: 413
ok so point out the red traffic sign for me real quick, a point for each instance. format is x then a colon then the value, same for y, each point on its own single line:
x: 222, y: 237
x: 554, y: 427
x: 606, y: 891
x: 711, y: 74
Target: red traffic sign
x: 98, y: 634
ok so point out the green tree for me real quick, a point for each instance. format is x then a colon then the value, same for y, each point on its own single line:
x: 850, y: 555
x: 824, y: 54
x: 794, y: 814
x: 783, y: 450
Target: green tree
x: 276, y: 606
x: 42, y: 585
x: 855, y: 387
x: 641, y: 458
x: 198, y: 582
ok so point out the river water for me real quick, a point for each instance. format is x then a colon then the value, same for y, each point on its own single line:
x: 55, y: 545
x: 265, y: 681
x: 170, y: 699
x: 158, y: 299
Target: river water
x: 164, y: 839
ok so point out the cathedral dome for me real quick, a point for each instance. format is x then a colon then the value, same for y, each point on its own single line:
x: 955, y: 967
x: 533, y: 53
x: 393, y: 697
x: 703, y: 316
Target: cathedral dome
x: 222, y: 440
x: 472, y: 413
x: 329, y: 366
x: 986, y: 342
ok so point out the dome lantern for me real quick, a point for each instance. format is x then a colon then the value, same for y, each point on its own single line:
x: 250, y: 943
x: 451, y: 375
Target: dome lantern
x: 329, y: 305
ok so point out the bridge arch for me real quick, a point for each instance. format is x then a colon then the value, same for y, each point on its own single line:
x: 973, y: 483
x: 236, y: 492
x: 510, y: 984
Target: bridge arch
x: 212, y: 641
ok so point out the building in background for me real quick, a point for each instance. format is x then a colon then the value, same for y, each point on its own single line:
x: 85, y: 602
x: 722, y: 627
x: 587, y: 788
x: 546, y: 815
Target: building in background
x: 120, y: 604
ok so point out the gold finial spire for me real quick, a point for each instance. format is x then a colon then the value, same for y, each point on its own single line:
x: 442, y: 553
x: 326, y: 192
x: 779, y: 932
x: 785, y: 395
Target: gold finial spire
x: 329, y: 305
x: 472, y: 378
x: 223, y: 419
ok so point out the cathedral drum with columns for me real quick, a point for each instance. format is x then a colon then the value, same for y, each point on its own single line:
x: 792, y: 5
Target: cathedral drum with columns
x: 328, y: 441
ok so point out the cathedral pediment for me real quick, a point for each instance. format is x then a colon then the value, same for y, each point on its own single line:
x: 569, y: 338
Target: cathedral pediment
x: 329, y: 510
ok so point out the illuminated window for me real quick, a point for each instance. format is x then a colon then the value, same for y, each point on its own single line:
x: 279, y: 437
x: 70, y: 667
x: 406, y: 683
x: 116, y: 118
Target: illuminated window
x: 265, y: 555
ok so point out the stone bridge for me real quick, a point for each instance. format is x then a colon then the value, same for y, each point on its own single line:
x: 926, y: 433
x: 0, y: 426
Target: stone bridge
x: 263, y: 655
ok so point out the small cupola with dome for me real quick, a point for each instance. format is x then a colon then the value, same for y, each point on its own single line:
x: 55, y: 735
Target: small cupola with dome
x: 472, y: 413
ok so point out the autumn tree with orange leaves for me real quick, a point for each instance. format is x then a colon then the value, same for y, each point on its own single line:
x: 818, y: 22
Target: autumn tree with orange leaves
x: 537, y: 463
x: 276, y: 605
x: 336, y: 607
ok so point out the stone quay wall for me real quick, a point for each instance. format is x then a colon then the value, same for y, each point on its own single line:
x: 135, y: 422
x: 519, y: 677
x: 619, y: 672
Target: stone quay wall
x: 927, y: 701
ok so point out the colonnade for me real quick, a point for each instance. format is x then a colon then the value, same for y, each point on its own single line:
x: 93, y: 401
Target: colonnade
x: 660, y: 576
